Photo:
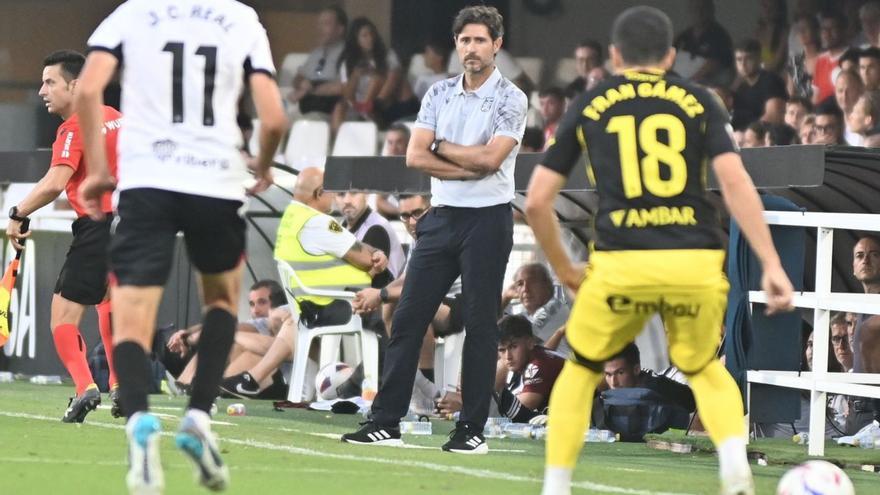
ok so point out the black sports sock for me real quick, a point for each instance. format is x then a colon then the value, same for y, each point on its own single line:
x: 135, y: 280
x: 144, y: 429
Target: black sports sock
x: 133, y: 373
x: 218, y: 332
x: 428, y: 373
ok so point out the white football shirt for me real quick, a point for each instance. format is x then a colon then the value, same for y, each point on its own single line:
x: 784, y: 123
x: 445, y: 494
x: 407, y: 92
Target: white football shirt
x: 184, y: 64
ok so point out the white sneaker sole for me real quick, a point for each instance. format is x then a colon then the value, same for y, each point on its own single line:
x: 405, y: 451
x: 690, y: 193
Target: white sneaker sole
x: 391, y: 442
x: 481, y: 450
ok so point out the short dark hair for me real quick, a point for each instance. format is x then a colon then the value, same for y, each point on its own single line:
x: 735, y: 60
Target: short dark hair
x: 514, y: 327
x: 339, y: 12
x: 595, y: 46
x: 759, y: 128
x: 642, y: 35
x: 479, y: 14
x: 425, y: 197
x: 71, y: 62
x: 533, y: 137
x: 401, y: 128
x: 830, y: 108
x: 802, y: 101
x: 276, y: 292
x: 629, y: 354
x: 851, y: 54
x: 748, y: 45
x: 870, y: 52
x: 835, y: 15
x: 781, y: 134
x: 838, y: 318
x: 873, y: 237
x: 553, y: 91
x: 440, y: 47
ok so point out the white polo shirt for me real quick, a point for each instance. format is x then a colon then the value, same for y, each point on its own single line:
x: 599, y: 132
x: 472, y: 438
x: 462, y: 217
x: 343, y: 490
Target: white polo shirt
x: 497, y: 108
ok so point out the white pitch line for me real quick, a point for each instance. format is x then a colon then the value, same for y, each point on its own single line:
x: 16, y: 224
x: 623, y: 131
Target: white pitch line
x: 430, y: 466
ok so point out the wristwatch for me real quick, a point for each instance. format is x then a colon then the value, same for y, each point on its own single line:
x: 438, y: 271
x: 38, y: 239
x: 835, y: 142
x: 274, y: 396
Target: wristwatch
x: 435, y: 146
x: 13, y: 214
x: 383, y: 295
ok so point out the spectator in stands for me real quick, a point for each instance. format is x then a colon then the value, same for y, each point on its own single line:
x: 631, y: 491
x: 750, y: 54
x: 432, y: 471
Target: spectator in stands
x: 802, y: 64
x: 707, y: 39
x: 755, y: 135
x: 832, y: 31
x: 847, y: 90
x: 754, y: 88
x: 308, y: 236
x: 436, y: 56
x: 372, y: 229
x: 526, y: 371
x: 864, y: 120
x: 588, y: 56
x: 507, y: 65
x: 533, y: 287
x: 828, y: 128
x: 840, y: 342
x: 772, y: 34
x: 796, y: 109
x: 780, y: 135
x: 532, y: 141
x: 849, y: 61
x: 316, y: 86
x: 863, y: 422
x: 869, y: 19
x: 373, y: 84
x: 396, y: 141
x: 807, y: 130
x: 869, y: 68
x: 624, y: 371
x: 552, y: 106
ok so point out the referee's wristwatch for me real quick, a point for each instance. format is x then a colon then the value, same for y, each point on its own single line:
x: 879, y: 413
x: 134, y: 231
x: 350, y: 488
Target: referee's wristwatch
x: 435, y: 146
x: 383, y: 295
x: 13, y: 214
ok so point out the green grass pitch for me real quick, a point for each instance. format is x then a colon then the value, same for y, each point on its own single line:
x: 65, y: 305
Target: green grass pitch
x: 299, y: 452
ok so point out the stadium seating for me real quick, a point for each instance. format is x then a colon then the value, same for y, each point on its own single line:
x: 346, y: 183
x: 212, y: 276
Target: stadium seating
x: 566, y: 71
x: 417, y: 68
x: 356, y: 139
x: 287, y: 72
x: 330, y: 336
x: 307, y: 144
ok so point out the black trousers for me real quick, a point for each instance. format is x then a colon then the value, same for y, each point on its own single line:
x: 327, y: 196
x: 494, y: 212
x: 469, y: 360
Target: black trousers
x: 474, y: 243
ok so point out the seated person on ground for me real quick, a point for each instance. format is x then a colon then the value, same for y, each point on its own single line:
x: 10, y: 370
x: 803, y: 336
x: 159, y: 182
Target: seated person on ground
x: 325, y: 256
x: 526, y: 371
x: 663, y: 403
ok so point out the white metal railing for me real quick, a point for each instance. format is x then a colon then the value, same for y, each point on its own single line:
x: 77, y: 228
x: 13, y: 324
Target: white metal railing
x: 820, y: 382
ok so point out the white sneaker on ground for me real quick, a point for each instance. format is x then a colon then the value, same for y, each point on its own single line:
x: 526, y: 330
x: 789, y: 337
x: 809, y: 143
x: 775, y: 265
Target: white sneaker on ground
x: 144, y: 469
x: 868, y: 434
x: 194, y: 438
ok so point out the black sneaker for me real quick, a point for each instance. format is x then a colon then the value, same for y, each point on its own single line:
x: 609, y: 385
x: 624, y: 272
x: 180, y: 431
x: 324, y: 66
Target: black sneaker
x: 81, y: 405
x: 115, y: 407
x: 373, y: 434
x: 464, y: 439
x: 242, y: 386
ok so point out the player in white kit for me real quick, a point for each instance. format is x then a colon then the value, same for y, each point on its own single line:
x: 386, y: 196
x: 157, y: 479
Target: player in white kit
x: 180, y: 170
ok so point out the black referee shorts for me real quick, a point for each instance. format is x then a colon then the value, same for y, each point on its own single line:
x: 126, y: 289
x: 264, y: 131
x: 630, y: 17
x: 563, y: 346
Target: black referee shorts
x: 148, y: 221
x: 83, y: 278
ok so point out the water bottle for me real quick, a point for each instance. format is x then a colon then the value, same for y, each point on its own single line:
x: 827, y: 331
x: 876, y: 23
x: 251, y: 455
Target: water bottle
x: 802, y: 438
x: 415, y: 427
x: 518, y: 430
x: 539, y: 432
x: 46, y: 379
x: 495, y: 427
x: 597, y: 435
x: 6, y: 377
x: 368, y: 390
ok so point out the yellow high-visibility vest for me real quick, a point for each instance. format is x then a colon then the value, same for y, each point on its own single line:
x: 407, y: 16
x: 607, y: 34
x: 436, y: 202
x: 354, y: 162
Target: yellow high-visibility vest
x: 315, y: 271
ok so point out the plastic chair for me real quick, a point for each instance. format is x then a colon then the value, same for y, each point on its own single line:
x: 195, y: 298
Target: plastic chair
x: 447, y: 361
x: 566, y: 71
x: 331, y: 336
x: 307, y: 144
x: 356, y: 139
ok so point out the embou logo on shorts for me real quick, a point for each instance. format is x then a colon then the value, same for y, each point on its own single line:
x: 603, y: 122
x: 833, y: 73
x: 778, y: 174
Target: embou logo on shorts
x: 164, y: 149
x: 621, y: 304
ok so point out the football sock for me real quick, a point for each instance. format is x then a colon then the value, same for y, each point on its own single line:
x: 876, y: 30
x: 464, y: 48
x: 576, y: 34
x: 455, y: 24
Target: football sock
x: 134, y: 376
x: 557, y: 481
x: 719, y: 403
x: 105, y: 327
x: 72, y: 351
x: 571, y: 404
x: 218, y: 332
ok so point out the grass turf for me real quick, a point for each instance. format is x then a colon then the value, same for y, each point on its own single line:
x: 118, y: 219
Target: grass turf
x: 297, y: 451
